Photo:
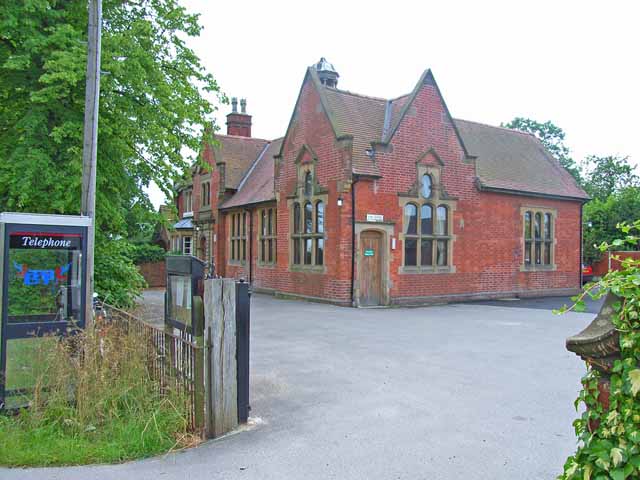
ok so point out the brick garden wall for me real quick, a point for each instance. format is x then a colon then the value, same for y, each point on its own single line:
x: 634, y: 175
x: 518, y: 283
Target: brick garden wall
x: 154, y: 273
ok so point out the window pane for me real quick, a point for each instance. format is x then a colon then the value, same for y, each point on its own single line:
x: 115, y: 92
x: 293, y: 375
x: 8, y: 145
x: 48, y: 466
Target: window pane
x: 410, y: 219
x: 426, y: 220
x: 538, y: 259
x: 308, y: 250
x: 264, y: 222
x: 308, y: 184
x: 441, y: 225
x: 441, y: 254
x: 308, y: 214
x: 547, y: 253
x: 296, y: 251
x: 319, y: 251
x: 296, y: 217
x: 537, y: 225
x: 244, y: 224
x: 319, y: 217
x: 262, y: 253
x: 410, y: 251
x: 233, y: 249
x: 527, y: 225
x: 270, y: 250
x: 270, y: 223
x: 426, y: 186
x: 426, y: 252
x: 547, y: 226
x: 244, y: 249
x: 527, y: 253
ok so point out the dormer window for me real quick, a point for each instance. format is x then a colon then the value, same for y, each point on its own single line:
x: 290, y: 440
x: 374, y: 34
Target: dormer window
x: 188, y: 207
x: 426, y: 185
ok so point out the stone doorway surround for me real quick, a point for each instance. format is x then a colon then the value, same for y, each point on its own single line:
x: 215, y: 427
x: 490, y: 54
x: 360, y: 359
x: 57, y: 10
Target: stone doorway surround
x: 387, y: 231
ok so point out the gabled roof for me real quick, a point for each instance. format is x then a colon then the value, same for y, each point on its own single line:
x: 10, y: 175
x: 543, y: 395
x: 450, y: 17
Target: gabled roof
x: 257, y: 185
x: 237, y: 153
x: 509, y: 160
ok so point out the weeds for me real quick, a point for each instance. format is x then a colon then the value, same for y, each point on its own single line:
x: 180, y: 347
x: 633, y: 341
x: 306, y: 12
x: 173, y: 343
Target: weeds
x: 94, y: 401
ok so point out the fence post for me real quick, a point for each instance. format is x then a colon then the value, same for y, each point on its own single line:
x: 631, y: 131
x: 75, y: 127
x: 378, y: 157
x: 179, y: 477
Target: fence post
x: 198, y: 364
x: 220, y: 320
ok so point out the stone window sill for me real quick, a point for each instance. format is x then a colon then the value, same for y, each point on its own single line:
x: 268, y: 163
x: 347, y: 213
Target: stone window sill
x: 537, y: 268
x: 308, y: 268
x: 428, y: 270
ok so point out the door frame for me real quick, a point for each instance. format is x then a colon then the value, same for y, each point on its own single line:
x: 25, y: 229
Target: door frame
x: 386, y: 229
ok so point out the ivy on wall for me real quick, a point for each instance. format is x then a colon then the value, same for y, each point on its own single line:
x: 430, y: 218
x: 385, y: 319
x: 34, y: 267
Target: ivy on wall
x: 609, y: 439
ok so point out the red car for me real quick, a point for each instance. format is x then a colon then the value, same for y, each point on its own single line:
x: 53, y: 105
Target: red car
x: 587, y: 273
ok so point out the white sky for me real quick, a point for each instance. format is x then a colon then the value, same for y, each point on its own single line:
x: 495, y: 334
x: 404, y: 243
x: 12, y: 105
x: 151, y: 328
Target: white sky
x: 576, y: 63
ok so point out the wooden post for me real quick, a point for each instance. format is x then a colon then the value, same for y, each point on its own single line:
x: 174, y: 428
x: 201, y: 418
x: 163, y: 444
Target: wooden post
x: 221, y: 372
x: 198, y: 364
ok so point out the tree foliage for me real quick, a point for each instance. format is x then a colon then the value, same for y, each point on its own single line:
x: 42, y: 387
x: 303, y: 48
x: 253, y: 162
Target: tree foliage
x: 605, y: 176
x: 152, y: 106
x: 552, y: 137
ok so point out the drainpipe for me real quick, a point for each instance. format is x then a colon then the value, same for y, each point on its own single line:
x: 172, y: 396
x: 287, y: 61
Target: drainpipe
x: 353, y: 238
x: 581, y: 247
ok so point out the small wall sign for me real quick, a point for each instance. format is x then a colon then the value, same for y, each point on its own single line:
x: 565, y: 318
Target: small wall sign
x: 369, y: 252
x: 373, y: 217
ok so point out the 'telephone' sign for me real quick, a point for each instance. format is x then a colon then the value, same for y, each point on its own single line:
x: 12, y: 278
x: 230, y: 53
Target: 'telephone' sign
x: 45, y: 241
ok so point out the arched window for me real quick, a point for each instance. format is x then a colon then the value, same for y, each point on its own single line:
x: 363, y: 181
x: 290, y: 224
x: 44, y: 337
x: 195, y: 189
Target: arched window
x: 319, y: 217
x: 410, y: 219
x: 319, y: 260
x: 441, y: 222
x: 296, y: 231
x: 426, y: 219
x: 307, y: 236
x: 308, y: 184
x: 426, y: 185
x: 411, y: 234
x: 308, y: 214
x: 296, y: 217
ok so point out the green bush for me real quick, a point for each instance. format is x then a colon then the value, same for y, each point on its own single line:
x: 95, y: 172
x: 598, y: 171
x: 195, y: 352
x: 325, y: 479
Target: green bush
x: 147, y: 252
x: 609, y: 440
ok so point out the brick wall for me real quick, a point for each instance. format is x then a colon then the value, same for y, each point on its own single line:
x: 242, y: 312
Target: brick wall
x: 154, y: 273
x: 601, y: 267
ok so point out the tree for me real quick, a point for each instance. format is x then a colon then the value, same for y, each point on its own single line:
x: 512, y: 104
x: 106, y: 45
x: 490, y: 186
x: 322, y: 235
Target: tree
x: 152, y: 107
x: 605, y: 176
x: 601, y: 217
x: 552, y: 137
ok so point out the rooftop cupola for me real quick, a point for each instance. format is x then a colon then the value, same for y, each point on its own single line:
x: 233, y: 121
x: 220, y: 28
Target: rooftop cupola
x: 327, y: 73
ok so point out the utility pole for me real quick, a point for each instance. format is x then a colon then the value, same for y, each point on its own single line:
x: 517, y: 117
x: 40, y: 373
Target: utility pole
x: 90, y: 145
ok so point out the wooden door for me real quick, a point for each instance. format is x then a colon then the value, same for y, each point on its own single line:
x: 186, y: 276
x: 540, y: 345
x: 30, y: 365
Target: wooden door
x: 371, y: 268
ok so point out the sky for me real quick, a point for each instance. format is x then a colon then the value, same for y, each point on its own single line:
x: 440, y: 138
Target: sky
x: 575, y: 63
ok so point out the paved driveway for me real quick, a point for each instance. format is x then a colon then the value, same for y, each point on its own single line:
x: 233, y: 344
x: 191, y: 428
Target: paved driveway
x: 447, y: 392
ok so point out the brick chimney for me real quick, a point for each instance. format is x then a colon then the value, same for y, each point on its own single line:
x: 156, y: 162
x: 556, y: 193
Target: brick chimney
x: 239, y: 123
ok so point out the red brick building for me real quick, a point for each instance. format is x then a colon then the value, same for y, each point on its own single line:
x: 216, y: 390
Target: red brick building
x: 371, y: 201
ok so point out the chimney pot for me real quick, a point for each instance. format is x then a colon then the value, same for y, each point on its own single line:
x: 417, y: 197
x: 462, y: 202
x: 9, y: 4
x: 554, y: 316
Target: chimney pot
x: 234, y: 104
x: 243, y: 105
